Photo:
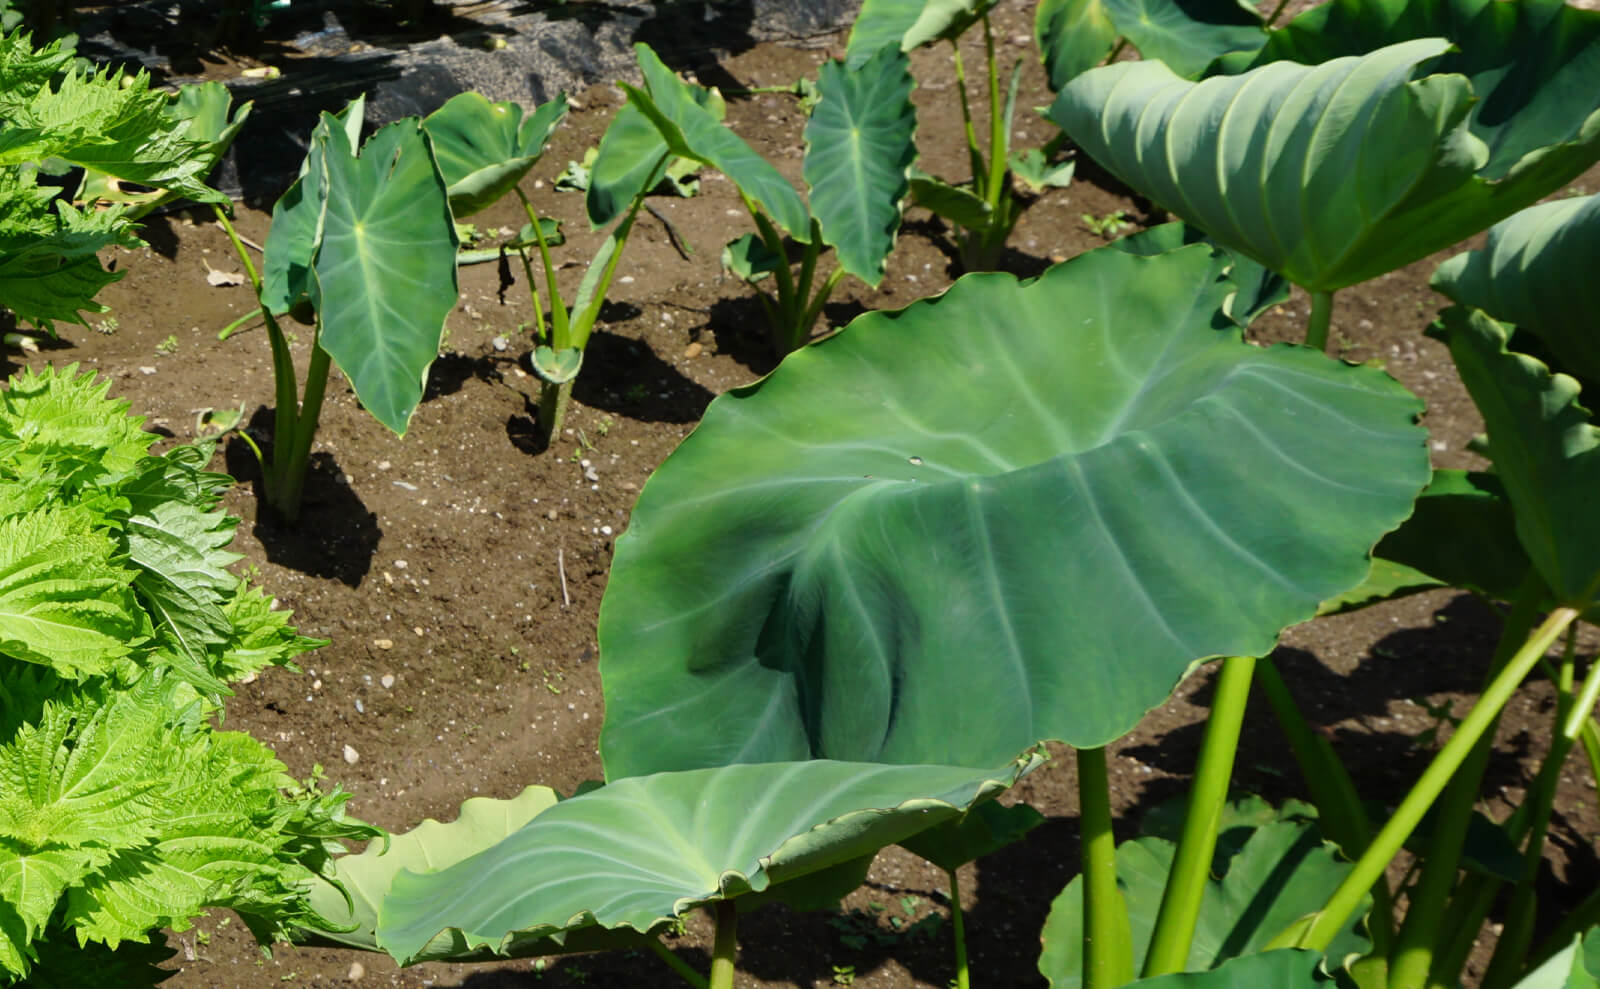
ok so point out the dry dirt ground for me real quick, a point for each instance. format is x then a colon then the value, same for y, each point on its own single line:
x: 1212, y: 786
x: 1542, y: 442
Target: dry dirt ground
x: 467, y: 563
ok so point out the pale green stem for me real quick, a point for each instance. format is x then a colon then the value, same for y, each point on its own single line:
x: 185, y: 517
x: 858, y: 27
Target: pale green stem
x: 238, y: 248
x: 558, y: 307
x: 995, y: 188
x: 1321, y: 318
x: 1411, y: 962
x: 974, y: 155
x: 726, y: 945
x: 677, y: 964
x: 1517, y: 935
x: 295, y: 461
x: 1324, y: 926
x: 1339, y: 811
x: 539, y: 331
x: 1208, y: 795
x: 958, y: 932
x: 1107, y: 937
x: 808, y: 319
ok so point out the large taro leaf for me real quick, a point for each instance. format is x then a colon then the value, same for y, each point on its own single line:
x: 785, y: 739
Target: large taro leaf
x: 484, y: 148
x: 1329, y: 174
x: 431, y: 847
x: 1531, y: 63
x: 1257, y: 289
x: 1282, y: 872
x: 385, y: 266
x: 633, y: 855
x: 695, y: 131
x: 908, y: 24
x: 1073, y: 36
x: 1538, y: 271
x: 859, y: 152
x: 1545, y: 450
x: 1010, y: 513
x: 1577, y: 966
x: 1187, y: 34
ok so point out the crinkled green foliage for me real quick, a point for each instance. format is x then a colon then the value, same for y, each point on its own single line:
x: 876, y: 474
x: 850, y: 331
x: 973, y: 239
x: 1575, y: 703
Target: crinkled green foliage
x: 116, y: 128
x: 122, y: 809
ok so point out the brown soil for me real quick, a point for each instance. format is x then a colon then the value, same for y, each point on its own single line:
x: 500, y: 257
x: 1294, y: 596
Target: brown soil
x: 468, y: 563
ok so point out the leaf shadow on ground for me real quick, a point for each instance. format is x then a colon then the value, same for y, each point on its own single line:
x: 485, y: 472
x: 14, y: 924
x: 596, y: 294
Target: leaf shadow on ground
x: 336, y: 537
x: 1405, y: 667
x: 624, y: 376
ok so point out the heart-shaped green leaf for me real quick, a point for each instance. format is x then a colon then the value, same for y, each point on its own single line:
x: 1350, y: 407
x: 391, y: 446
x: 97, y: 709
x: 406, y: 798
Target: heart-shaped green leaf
x: 691, y: 130
x: 1462, y: 534
x: 986, y: 829
x: 1187, y: 34
x: 1329, y: 174
x: 1282, y: 872
x: 636, y: 853
x: 629, y: 160
x: 907, y: 24
x: 1021, y: 513
x: 385, y: 266
x: 1538, y: 271
x: 1073, y: 37
x: 1545, y: 450
x: 297, y: 218
x: 484, y: 148
x: 858, y: 152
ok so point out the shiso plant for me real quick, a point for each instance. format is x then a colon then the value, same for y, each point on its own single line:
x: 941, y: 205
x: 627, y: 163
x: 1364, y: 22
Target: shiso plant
x: 123, y: 808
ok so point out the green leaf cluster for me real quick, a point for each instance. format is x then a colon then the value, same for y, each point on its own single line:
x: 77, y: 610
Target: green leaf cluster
x: 122, y: 809
x: 56, y: 116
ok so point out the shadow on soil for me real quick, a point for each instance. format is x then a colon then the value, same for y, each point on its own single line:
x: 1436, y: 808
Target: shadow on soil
x: 336, y: 536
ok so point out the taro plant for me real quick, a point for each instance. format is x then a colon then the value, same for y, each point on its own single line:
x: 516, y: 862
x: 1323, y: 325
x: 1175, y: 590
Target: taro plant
x: 1308, y: 160
x: 123, y: 809
x: 985, y: 208
x: 362, y: 247
x: 858, y: 153
x: 484, y: 149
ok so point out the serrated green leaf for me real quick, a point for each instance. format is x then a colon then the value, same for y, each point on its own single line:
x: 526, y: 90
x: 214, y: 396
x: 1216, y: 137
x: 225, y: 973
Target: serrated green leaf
x: 1330, y: 174
x: 63, y: 962
x: 66, y: 433
x: 1544, y: 449
x: 259, y: 636
x: 859, y: 151
x: 816, y: 577
x: 692, y: 131
x: 1537, y: 272
x: 385, y: 266
x: 181, y: 551
x: 636, y: 853
x: 64, y: 603
x: 1282, y: 872
x: 483, y: 148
